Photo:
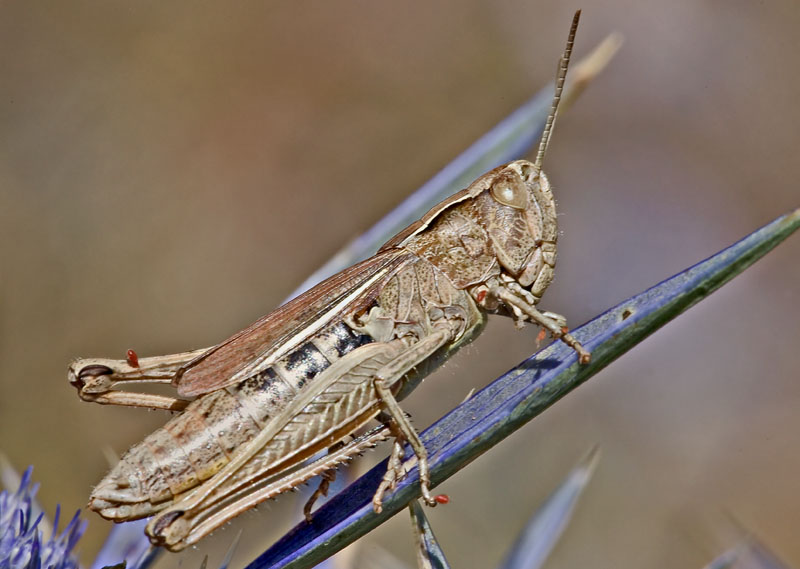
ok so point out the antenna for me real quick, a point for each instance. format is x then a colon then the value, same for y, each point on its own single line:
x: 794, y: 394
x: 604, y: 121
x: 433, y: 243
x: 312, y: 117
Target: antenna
x: 560, y: 77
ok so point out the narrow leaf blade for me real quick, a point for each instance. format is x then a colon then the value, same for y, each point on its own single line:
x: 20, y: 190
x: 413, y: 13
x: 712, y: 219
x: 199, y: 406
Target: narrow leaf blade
x: 749, y: 554
x: 429, y: 553
x: 544, y: 529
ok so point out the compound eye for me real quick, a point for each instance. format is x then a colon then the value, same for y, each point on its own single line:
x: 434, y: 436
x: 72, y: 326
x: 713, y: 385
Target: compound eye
x: 510, y: 190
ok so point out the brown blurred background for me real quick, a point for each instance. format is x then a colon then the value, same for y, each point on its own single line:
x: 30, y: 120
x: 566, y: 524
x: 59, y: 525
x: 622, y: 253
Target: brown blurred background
x: 170, y: 172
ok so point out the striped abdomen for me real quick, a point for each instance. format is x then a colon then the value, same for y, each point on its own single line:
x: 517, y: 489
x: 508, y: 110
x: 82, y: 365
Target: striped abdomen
x: 197, y: 443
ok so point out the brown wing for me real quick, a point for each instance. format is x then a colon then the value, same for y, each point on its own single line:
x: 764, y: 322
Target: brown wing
x: 273, y: 335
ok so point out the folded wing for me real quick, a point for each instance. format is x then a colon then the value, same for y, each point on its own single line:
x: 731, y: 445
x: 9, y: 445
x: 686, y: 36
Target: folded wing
x: 289, y: 326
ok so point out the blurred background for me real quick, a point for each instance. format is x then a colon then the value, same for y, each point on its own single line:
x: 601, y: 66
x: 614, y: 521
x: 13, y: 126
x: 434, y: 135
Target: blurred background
x: 169, y: 172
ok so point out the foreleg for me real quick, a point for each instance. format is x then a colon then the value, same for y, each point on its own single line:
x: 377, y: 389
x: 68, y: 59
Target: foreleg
x: 556, y: 328
x: 385, y: 378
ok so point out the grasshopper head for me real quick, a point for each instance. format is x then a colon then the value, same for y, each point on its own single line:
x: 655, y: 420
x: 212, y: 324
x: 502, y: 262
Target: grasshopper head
x: 504, y: 223
x: 521, y: 224
x: 518, y: 213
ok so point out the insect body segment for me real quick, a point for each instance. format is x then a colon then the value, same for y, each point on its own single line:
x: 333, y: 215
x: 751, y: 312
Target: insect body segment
x: 316, y: 371
x: 196, y: 444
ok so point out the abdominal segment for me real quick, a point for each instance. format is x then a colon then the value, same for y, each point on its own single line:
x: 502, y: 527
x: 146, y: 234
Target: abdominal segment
x: 196, y: 444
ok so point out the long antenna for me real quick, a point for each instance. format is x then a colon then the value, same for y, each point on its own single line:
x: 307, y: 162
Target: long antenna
x: 562, y: 75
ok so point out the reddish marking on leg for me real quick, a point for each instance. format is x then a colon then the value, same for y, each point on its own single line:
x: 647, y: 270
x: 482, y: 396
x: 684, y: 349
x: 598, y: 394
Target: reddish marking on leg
x: 442, y: 499
x: 132, y: 358
x: 540, y: 336
x: 481, y: 296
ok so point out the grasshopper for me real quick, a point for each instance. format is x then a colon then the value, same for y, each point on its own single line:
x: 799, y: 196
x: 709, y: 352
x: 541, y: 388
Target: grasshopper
x: 255, y: 410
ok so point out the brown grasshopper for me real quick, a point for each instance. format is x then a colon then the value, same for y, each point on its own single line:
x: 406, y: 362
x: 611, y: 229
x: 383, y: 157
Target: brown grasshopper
x: 256, y: 409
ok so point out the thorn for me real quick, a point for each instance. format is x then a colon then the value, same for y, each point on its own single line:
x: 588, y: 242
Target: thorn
x: 469, y: 395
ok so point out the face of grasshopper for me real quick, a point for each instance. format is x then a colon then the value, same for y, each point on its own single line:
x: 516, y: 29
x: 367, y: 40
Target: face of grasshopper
x: 502, y: 227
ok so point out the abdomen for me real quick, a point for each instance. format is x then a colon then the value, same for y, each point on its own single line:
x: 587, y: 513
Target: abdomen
x: 196, y: 444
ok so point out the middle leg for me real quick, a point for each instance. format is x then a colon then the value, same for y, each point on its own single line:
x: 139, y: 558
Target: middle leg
x: 385, y: 378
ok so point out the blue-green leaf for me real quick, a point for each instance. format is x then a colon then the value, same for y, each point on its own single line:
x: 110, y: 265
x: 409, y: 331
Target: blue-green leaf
x: 749, y: 554
x: 543, y: 530
x: 429, y: 554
